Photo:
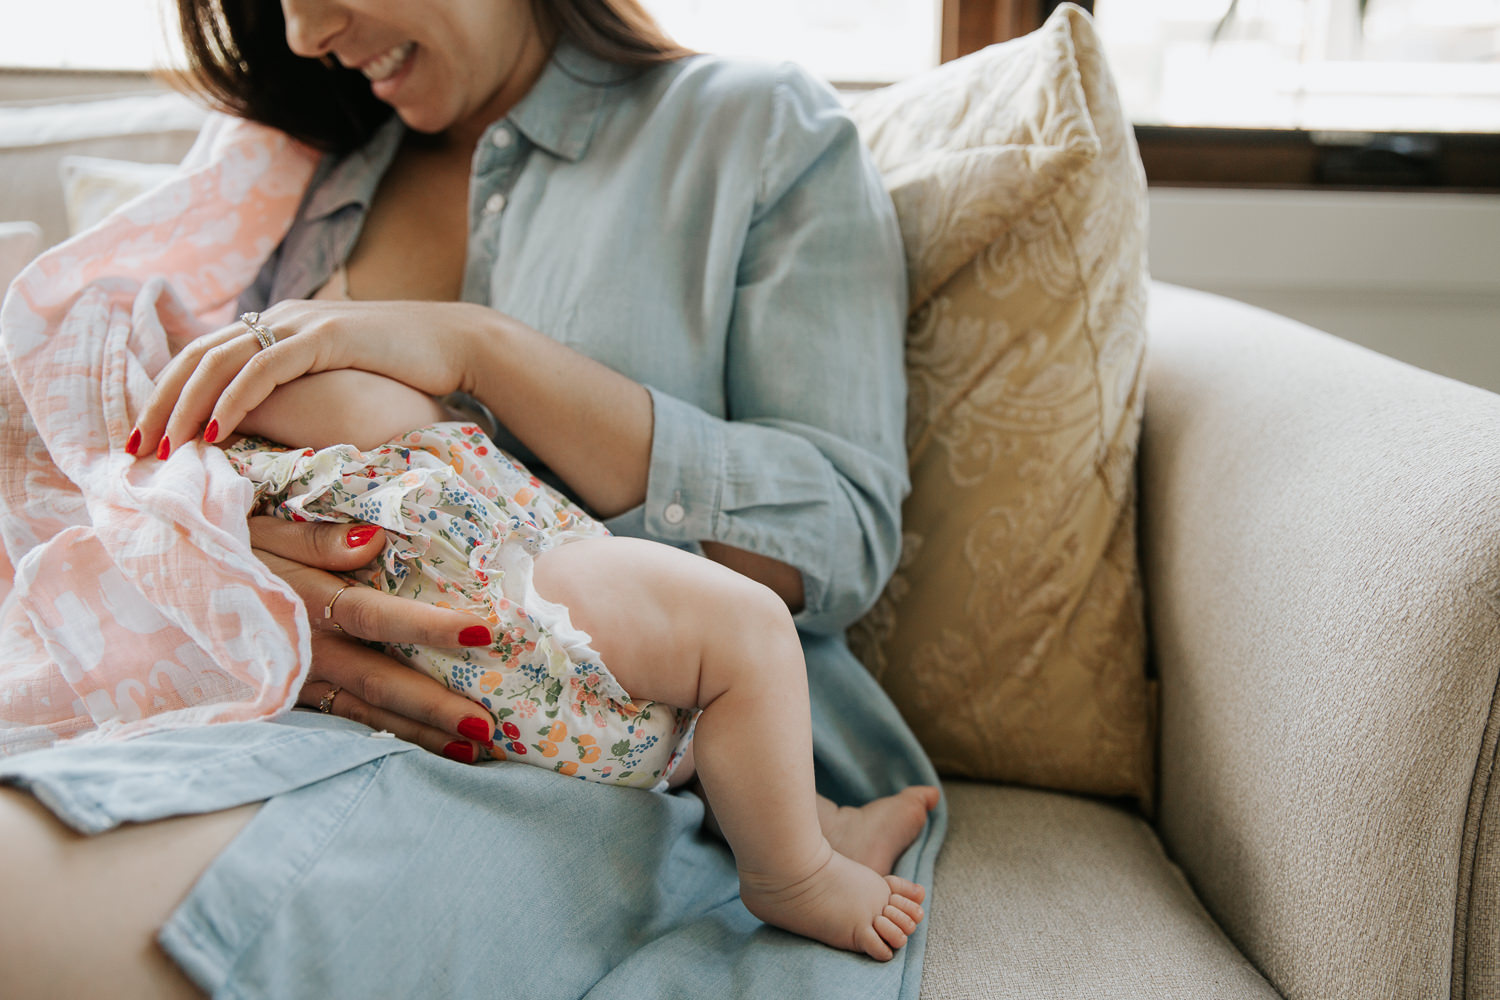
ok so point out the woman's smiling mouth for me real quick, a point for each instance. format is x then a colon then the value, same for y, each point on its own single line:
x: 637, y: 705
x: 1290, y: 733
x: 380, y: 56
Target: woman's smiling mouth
x: 387, y: 64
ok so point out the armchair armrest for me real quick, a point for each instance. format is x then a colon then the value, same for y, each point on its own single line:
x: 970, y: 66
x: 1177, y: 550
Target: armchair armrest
x: 1321, y: 547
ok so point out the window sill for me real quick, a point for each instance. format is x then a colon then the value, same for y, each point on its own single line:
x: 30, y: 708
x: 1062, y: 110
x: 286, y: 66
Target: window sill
x: 1353, y: 161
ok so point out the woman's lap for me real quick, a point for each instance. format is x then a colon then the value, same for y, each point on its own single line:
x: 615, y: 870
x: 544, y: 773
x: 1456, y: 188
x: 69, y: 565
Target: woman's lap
x: 374, y: 870
x: 379, y: 869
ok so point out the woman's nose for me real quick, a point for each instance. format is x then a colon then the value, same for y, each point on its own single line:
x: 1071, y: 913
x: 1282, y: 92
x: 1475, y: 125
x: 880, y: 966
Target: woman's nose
x: 312, y: 25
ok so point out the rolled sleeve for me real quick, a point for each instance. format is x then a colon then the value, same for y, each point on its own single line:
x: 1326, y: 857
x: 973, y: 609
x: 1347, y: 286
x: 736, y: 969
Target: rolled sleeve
x: 809, y: 466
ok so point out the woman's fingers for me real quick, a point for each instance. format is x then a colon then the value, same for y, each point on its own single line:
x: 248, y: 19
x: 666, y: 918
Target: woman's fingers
x: 337, y: 548
x: 361, y: 611
x: 152, y: 423
x: 190, y: 391
x: 235, y: 378
x: 376, y: 691
x: 366, y: 613
x: 193, y: 412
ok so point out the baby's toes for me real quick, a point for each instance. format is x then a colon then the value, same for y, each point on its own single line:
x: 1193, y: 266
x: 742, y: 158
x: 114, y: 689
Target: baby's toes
x: 908, y: 907
x: 901, y: 919
x: 928, y: 795
x: 876, y: 940
x: 889, y: 932
x: 909, y: 890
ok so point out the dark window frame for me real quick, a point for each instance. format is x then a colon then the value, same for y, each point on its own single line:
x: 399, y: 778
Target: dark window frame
x: 1181, y: 156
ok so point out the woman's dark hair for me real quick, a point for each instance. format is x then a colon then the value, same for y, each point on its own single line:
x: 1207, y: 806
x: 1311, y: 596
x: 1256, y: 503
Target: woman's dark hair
x: 239, y: 61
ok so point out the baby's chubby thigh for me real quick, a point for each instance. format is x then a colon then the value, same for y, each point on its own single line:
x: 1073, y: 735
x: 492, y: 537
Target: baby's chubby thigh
x: 656, y: 613
x: 345, y: 406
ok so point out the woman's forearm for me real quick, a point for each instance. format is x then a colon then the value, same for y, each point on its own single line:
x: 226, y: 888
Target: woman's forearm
x: 590, y: 425
x: 587, y: 423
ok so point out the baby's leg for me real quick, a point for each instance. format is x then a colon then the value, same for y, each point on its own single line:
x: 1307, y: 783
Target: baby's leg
x: 875, y: 834
x: 344, y: 406
x: 685, y: 631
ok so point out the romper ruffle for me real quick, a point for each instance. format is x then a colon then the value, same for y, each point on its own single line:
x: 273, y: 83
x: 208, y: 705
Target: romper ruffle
x: 464, y: 523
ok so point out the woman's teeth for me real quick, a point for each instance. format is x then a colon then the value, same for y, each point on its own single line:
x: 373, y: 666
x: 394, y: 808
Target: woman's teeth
x: 384, y: 66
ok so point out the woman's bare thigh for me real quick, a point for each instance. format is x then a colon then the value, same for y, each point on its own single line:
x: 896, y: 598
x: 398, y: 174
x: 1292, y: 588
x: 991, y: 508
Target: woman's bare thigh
x: 81, y: 913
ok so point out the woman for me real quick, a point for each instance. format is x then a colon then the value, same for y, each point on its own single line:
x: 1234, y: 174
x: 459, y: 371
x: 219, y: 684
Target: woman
x: 677, y: 285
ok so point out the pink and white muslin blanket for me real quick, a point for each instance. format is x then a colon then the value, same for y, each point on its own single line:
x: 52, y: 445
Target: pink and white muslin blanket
x: 132, y: 601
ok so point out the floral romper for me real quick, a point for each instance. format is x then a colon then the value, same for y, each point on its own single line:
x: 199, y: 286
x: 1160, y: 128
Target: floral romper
x: 463, y: 523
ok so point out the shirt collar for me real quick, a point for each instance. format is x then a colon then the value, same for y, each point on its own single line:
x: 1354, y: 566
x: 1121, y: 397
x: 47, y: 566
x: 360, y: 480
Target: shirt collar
x: 562, y: 110
x: 353, y: 178
x: 560, y: 114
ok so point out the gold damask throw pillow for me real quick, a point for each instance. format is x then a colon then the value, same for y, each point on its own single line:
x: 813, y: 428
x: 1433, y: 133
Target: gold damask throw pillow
x: 1012, y: 635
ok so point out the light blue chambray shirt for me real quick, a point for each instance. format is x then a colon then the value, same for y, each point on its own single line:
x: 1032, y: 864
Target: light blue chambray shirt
x: 714, y: 230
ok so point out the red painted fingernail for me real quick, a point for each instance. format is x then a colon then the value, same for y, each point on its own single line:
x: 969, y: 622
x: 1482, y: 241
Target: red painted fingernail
x: 461, y: 752
x: 163, y: 449
x: 474, y: 635
x: 474, y: 729
x: 360, y: 536
x: 134, y: 444
x: 211, y: 432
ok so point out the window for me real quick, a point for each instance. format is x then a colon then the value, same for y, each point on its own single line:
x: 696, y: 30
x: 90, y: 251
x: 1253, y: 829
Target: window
x: 1404, y: 95
x: 859, y: 42
x: 1370, y: 65
x: 85, y: 34
x: 1345, y: 93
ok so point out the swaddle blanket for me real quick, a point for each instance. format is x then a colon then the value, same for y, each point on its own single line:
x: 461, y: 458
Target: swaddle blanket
x: 134, y: 602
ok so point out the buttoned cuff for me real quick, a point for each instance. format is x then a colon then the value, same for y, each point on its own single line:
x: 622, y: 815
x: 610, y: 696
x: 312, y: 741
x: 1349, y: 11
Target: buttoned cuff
x: 685, y: 483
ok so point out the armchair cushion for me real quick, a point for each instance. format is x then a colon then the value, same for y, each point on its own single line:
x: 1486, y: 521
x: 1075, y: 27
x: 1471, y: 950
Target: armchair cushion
x: 1011, y: 635
x: 1043, y: 895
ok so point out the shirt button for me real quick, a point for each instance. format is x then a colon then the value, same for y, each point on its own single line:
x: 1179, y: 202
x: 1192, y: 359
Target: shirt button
x: 674, y: 513
x: 502, y: 138
x: 494, y: 204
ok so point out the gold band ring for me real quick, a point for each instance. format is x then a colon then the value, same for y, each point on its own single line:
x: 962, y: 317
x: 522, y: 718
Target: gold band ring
x: 263, y: 334
x: 328, y: 608
x: 325, y: 704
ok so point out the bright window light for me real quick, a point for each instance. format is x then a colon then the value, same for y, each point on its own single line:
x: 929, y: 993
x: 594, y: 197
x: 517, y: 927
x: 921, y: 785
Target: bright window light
x: 849, y: 41
x: 1401, y: 65
x: 85, y: 34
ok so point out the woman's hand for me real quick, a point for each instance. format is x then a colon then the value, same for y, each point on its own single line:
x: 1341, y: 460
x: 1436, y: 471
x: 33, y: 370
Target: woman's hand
x: 214, y: 381
x: 372, y: 688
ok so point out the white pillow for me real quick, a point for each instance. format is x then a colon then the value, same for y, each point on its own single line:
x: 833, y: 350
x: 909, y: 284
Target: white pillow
x: 19, y: 242
x: 93, y: 187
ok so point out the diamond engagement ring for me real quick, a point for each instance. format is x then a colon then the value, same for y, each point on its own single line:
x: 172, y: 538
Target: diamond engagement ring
x: 262, y: 332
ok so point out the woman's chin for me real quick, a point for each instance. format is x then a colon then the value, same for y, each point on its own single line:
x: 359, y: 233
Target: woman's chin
x: 419, y: 120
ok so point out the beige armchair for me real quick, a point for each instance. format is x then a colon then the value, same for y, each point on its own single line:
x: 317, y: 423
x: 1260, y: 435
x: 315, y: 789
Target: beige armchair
x: 1320, y: 538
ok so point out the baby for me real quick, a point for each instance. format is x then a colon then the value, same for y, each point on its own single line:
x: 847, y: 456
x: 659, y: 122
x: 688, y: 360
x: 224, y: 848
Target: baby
x: 614, y: 659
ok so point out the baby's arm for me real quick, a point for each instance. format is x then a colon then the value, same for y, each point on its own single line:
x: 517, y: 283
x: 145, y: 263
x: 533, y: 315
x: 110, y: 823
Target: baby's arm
x: 347, y: 406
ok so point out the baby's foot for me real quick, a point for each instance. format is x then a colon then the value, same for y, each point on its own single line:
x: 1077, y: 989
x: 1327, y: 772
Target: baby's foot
x: 842, y: 903
x: 876, y: 833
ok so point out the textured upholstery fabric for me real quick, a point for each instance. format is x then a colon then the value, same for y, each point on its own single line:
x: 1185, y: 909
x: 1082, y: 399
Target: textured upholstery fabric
x: 1042, y: 895
x: 1012, y: 634
x: 1476, y: 952
x: 1321, y: 537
